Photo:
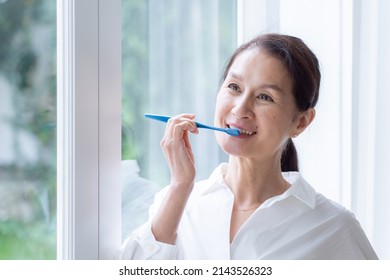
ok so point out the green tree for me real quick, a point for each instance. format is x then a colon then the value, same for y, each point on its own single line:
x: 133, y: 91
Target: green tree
x: 28, y: 64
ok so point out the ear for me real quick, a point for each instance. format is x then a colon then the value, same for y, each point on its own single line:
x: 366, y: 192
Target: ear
x: 302, y: 121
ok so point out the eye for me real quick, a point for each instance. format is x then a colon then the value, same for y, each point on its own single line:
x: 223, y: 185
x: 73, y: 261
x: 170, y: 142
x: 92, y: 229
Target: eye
x: 234, y: 87
x: 265, y: 97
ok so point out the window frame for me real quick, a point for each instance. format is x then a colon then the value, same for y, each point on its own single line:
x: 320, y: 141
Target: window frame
x: 89, y: 128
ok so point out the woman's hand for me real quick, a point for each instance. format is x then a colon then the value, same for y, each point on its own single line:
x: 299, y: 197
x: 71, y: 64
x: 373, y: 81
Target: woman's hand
x: 177, y: 149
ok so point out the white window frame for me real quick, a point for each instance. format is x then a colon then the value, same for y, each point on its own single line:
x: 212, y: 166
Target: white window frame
x: 89, y: 128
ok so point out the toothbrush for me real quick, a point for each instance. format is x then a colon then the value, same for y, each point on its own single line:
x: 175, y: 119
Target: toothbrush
x: 230, y: 131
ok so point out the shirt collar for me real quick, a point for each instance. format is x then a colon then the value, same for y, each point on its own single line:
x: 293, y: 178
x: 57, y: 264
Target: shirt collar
x: 216, y: 181
x: 300, y: 189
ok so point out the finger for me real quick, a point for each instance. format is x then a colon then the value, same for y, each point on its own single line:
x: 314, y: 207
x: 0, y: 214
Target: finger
x: 177, y: 125
x: 179, y: 129
x: 188, y: 146
x: 176, y: 140
x: 174, y: 135
x: 177, y: 145
x: 176, y: 120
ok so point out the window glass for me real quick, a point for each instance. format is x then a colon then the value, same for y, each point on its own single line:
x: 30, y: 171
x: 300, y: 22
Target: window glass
x: 173, y: 53
x: 28, y: 129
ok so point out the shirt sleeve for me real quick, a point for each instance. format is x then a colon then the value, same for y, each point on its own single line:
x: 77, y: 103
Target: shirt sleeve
x: 142, y: 245
x: 354, y: 244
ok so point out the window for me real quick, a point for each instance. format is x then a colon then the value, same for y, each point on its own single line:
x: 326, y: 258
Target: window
x: 28, y: 129
x: 347, y: 135
x: 350, y: 167
x: 173, y: 53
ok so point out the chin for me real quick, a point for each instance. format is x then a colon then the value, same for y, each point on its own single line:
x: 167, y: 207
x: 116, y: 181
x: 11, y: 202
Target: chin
x: 230, y: 148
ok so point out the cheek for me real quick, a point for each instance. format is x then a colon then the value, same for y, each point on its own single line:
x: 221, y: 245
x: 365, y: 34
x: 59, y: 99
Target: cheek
x: 221, y: 100
x: 221, y: 108
x: 217, y: 113
x: 285, y: 126
x: 277, y: 123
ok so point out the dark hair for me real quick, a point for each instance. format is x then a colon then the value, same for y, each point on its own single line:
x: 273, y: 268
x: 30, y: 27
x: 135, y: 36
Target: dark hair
x: 303, y: 67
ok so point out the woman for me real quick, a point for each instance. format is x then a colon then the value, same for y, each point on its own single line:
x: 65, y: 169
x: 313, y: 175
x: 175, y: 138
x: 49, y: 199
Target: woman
x: 256, y: 206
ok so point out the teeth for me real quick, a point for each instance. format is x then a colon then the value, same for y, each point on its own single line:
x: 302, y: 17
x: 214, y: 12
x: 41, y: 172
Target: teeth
x: 247, y: 132
x: 243, y: 131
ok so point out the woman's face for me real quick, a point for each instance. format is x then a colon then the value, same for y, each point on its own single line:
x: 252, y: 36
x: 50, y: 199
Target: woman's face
x: 256, y: 97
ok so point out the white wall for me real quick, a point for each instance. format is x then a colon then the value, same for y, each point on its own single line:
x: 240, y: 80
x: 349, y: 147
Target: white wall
x: 344, y: 154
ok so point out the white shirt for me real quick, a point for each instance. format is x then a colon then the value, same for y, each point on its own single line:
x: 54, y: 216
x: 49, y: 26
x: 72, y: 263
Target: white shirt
x: 298, y: 224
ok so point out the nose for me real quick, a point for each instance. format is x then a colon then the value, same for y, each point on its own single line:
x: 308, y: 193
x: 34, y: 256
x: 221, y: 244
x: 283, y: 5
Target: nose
x: 243, y: 108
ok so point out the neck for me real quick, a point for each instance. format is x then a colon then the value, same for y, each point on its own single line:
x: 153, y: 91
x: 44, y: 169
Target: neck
x: 253, y: 182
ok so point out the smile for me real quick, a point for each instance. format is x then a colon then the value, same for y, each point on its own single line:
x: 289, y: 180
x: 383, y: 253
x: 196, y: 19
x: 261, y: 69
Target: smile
x: 243, y: 131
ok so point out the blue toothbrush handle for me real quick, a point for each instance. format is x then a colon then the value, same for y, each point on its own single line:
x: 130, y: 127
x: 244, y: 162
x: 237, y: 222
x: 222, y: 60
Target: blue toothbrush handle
x: 157, y: 117
x: 161, y: 118
x: 200, y: 125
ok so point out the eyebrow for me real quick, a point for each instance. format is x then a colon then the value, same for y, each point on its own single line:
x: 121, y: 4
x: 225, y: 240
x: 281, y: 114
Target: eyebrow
x: 273, y: 87
x: 235, y: 75
x: 262, y: 86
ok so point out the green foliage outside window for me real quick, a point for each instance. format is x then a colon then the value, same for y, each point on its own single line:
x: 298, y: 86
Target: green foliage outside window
x: 28, y: 107
x: 28, y: 121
